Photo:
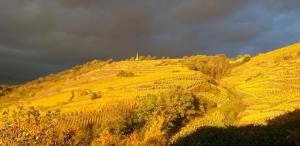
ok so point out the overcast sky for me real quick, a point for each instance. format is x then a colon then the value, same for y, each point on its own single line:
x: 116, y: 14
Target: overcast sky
x: 38, y: 37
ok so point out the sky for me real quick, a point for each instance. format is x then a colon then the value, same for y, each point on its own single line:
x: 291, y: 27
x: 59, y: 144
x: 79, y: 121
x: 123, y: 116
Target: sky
x: 39, y: 37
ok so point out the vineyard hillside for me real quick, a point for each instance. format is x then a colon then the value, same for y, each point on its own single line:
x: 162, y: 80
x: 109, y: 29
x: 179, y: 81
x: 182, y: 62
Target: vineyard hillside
x: 164, y: 101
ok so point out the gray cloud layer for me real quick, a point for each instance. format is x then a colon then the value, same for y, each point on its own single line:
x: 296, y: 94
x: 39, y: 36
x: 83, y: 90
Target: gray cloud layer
x: 38, y: 37
x: 206, y: 10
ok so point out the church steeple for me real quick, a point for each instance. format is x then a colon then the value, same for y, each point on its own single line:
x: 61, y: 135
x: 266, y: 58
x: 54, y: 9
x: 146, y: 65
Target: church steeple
x: 137, y: 56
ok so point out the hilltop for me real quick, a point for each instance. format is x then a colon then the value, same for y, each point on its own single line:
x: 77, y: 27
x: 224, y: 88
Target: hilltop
x: 170, y: 101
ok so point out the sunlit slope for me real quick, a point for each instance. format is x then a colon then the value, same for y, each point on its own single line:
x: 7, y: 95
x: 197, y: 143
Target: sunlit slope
x: 65, y: 91
x: 249, y: 92
x: 270, y: 84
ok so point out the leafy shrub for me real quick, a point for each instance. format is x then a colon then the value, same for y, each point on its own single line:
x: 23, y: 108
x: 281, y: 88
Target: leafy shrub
x: 240, y: 59
x: 134, y: 139
x: 246, y: 58
x: 175, y: 106
x: 92, y: 65
x: 4, y: 90
x: 154, y: 135
x: 214, y: 66
x: 109, y: 138
x: 123, y: 73
x: 95, y: 95
x: 31, y: 128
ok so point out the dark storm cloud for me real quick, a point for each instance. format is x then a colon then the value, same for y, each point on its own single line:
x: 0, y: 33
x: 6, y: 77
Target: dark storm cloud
x: 62, y: 32
x: 39, y: 37
x: 206, y: 10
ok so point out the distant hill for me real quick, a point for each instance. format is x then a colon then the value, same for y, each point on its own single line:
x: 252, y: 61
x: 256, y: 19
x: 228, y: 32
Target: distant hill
x: 166, y: 101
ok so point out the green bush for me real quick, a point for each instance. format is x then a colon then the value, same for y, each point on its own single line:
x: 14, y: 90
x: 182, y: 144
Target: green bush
x: 4, y: 90
x: 123, y: 73
x: 95, y: 95
x: 175, y: 106
x: 214, y: 66
x: 246, y: 58
x: 239, y: 60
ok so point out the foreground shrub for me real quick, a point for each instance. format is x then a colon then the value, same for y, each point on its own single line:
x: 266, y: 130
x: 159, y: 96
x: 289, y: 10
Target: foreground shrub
x: 154, y: 135
x: 109, y: 138
x: 176, y: 107
x: 30, y: 128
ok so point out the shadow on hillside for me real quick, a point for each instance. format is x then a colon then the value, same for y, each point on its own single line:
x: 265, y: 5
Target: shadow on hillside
x: 274, y: 134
